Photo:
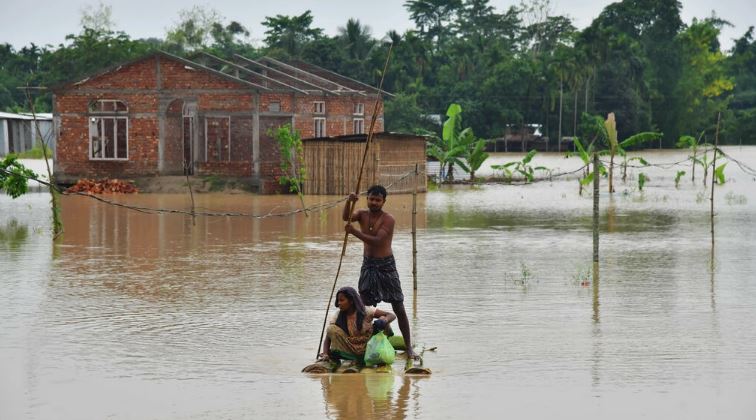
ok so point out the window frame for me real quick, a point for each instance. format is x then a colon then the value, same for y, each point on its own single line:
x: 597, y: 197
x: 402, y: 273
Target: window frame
x: 361, y: 122
x: 318, y: 107
x: 317, y: 121
x: 359, y: 108
x: 96, y: 118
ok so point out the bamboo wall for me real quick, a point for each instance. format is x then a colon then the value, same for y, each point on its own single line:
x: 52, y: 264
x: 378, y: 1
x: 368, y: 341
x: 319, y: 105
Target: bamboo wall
x: 333, y: 164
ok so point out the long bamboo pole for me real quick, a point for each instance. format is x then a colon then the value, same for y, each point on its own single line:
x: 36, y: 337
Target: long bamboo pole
x: 714, y: 181
x: 54, y: 195
x: 414, y: 232
x: 596, y: 176
x: 350, y: 204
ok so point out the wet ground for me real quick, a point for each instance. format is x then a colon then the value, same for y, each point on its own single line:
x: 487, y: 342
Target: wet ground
x: 134, y: 315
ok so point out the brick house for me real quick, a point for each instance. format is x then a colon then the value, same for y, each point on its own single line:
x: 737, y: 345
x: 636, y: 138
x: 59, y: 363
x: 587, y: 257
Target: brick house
x: 166, y: 115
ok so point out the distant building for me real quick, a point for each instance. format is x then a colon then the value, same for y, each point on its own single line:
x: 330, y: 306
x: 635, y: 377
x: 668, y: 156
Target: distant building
x: 520, y: 138
x: 19, y: 134
x: 166, y: 115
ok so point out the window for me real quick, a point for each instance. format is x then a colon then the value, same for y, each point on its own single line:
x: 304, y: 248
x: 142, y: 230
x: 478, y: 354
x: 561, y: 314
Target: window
x: 359, y: 109
x: 274, y: 106
x: 318, y: 107
x: 359, y: 126
x: 108, y: 130
x: 320, y: 127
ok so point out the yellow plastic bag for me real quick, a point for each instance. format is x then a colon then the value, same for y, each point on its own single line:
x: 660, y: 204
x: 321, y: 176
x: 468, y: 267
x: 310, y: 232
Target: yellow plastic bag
x: 379, y: 350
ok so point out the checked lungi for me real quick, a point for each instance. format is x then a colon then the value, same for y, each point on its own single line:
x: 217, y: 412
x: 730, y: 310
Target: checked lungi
x: 379, y: 281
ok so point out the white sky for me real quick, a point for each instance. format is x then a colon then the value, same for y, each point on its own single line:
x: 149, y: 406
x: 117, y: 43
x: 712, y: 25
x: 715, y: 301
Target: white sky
x: 48, y: 22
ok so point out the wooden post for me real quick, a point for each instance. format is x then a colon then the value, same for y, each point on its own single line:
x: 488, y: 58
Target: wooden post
x: 54, y: 193
x: 559, y: 136
x: 596, y: 177
x: 414, y: 232
x: 714, y: 181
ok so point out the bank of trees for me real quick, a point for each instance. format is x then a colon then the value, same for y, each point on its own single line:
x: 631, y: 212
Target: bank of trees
x: 523, y: 65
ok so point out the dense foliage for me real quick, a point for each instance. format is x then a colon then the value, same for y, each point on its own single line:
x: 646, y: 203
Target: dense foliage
x: 637, y: 59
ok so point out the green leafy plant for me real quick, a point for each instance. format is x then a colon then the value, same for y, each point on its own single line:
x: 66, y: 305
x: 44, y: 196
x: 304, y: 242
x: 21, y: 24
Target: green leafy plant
x: 292, y: 159
x: 719, y: 173
x: 634, y: 140
x: 642, y: 178
x: 475, y: 153
x: 521, y: 167
x: 37, y: 152
x: 450, y: 148
x: 678, y: 175
x: 585, y: 155
x: 692, y: 144
x: 14, y: 177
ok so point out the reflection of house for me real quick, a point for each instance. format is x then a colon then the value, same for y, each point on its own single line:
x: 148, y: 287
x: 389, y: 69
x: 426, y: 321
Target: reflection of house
x: 166, y: 115
x: 333, y: 163
x: 18, y: 133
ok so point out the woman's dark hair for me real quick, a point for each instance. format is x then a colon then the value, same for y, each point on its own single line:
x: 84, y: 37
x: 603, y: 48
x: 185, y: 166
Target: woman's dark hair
x: 377, y: 190
x: 359, y: 307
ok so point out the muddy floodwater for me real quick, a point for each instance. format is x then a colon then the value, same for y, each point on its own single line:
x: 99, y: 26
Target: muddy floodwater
x: 144, y: 316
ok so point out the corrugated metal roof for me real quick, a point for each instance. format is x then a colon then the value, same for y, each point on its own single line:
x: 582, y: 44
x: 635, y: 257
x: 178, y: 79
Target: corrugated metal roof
x: 11, y: 116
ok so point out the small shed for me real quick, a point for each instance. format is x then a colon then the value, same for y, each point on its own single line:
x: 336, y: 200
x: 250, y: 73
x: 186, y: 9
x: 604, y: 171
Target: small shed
x: 19, y: 134
x: 333, y: 163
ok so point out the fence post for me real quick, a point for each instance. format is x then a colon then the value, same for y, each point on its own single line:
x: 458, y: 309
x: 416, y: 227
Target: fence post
x: 414, y: 231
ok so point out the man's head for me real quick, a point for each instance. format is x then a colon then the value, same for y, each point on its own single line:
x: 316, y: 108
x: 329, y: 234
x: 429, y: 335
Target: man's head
x: 376, y: 197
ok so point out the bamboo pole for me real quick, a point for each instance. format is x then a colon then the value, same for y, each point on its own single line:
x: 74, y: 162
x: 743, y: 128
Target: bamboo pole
x: 713, y: 181
x: 350, y: 204
x: 596, y: 177
x: 414, y: 232
x: 54, y: 195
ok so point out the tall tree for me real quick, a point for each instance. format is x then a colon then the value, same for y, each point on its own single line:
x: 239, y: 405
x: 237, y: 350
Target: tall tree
x: 289, y: 34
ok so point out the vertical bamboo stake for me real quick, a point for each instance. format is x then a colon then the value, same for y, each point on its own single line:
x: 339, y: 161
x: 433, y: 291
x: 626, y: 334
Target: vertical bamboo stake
x: 414, y: 232
x: 714, y: 181
x: 55, y: 197
x: 596, y: 177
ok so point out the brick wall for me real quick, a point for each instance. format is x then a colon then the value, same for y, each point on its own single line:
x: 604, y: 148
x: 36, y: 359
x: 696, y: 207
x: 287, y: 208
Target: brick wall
x: 217, y: 98
x: 339, y: 114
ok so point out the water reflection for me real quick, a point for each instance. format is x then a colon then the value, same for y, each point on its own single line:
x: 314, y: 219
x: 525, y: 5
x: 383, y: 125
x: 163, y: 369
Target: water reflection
x: 370, y: 395
x: 13, y: 235
x: 228, y: 310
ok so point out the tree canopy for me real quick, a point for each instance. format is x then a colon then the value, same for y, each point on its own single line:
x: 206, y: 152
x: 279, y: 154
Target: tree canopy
x: 505, y: 68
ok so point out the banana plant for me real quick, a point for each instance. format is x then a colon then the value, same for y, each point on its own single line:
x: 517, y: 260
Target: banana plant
x: 521, y: 167
x: 717, y: 173
x: 450, y: 148
x: 692, y: 144
x: 635, y: 140
x: 678, y: 175
x: 585, y: 154
x: 475, y: 153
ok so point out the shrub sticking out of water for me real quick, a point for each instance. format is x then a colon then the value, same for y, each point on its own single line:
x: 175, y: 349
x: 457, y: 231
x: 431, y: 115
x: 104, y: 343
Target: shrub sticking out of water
x: 523, y: 279
x: 679, y: 175
x: 642, y: 178
x: 583, y: 276
x: 520, y: 168
x: 735, y: 199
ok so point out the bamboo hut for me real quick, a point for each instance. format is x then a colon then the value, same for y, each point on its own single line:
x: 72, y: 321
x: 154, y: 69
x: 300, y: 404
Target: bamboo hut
x: 333, y: 163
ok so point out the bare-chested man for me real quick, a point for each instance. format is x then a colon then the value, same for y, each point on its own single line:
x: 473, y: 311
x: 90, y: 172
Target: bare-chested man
x: 379, y: 280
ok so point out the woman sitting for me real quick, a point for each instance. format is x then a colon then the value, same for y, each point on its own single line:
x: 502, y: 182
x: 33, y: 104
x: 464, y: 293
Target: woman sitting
x: 352, y: 326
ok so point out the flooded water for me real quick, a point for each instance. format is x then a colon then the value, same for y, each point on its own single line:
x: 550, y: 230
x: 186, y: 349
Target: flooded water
x: 134, y: 315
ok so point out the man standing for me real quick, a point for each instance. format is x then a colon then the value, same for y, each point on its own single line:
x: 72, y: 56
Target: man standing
x: 379, y: 280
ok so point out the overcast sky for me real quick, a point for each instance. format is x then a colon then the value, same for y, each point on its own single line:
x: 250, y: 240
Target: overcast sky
x: 48, y: 22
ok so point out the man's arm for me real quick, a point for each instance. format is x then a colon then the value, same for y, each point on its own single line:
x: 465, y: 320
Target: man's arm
x: 345, y: 214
